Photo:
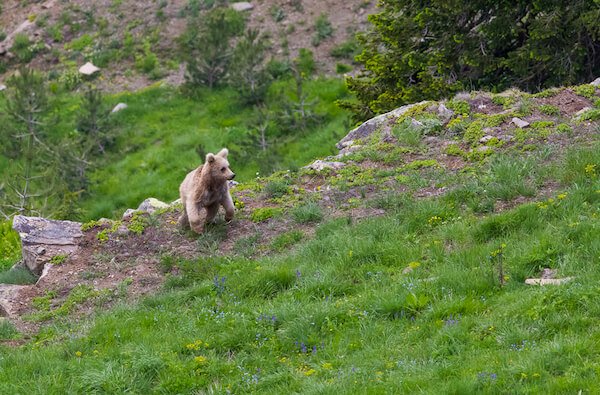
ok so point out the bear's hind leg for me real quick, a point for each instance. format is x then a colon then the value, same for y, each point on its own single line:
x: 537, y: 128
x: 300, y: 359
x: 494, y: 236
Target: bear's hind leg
x: 193, y: 214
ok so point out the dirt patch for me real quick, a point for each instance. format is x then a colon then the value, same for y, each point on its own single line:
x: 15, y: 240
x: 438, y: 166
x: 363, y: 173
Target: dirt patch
x: 483, y: 104
x: 567, y: 102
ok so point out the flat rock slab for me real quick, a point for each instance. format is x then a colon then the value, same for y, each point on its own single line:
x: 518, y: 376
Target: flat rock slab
x: 547, y: 281
x: 42, y: 239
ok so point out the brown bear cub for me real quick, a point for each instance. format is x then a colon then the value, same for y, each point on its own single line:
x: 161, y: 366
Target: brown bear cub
x: 206, y: 187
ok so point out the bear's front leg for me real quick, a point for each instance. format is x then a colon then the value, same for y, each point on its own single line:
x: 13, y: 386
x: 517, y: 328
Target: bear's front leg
x: 211, y: 212
x: 194, y: 218
x: 183, y: 221
x: 229, y: 207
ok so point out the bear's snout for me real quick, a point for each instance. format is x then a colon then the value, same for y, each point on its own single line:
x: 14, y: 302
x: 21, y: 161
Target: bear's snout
x: 232, y: 176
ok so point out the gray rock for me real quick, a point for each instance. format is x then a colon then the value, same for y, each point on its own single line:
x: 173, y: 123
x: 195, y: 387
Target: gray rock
x: 319, y: 165
x: 368, y: 127
x: 547, y: 281
x: 150, y: 205
x: 596, y: 82
x: 88, y: 69
x: 128, y: 213
x: 444, y: 112
x: 119, y: 107
x: 242, y: 6
x: 485, y: 139
x: 520, y: 123
x: 42, y: 239
x: 9, y: 299
x: 2, y: 87
x: 346, y: 144
x: 348, y: 151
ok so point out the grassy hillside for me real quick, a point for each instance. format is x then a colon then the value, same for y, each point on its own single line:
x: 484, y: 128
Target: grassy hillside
x: 343, y: 311
x: 160, y: 130
x: 425, y: 294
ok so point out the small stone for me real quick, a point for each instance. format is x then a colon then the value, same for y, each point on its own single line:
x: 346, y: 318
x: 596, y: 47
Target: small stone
x: 548, y: 273
x: 2, y: 87
x: 520, y: 123
x: 482, y: 106
x: 242, y: 6
x: 582, y: 111
x: 88, y: 69
x: 484, y: 148
x: 486, y: 139
x: 40, y: 250
x: 128, y: 213
x: 505, y: 137
x: 596, y: 82
x: 119, y: 107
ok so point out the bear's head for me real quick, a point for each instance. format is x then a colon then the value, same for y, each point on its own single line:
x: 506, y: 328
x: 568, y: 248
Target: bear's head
x: 218, y: 166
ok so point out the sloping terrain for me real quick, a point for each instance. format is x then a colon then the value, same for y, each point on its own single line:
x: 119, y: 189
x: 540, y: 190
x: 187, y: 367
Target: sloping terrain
x: 117, y: 35
x: 398, y: 261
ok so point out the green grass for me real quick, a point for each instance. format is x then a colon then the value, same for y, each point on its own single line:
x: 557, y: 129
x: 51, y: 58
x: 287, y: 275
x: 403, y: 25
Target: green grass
x: 340, y: 313
x: 10, y: 246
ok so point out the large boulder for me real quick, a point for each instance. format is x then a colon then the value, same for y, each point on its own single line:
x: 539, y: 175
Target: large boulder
x: 42, y: 239
x: 373, y: 124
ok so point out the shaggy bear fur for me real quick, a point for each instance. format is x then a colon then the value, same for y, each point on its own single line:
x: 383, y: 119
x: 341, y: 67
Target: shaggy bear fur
x: 206, y: 187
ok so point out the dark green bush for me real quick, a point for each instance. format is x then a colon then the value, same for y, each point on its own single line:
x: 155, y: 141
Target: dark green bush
x: 429, y: 50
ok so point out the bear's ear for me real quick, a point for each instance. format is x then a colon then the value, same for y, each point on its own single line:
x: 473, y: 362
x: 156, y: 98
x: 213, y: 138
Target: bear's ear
x: 210, y: 158
x: 223, y: 153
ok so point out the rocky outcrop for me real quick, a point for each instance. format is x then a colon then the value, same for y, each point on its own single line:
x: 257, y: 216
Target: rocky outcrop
x: 42, y: 239
x: 370, y: 126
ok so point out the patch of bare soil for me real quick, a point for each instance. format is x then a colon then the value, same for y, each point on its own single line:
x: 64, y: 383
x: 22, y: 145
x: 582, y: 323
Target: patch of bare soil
x: 567, y: 102
x: 483, y: 104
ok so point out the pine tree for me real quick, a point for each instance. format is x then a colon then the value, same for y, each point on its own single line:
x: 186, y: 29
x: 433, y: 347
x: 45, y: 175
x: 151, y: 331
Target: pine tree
x: 207, y: 48
x: 25, y: 132
x: 248, y: 73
